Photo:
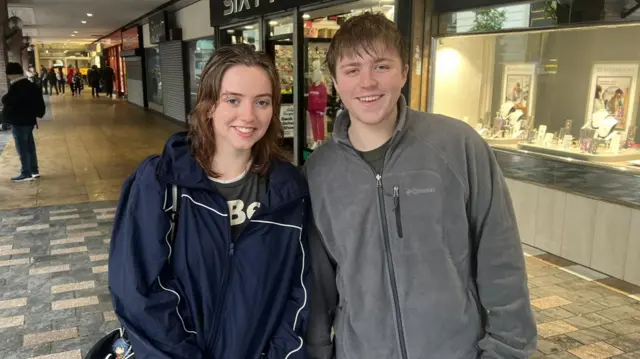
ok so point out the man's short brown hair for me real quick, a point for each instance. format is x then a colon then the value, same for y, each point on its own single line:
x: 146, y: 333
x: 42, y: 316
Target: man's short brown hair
x: 364, y: 33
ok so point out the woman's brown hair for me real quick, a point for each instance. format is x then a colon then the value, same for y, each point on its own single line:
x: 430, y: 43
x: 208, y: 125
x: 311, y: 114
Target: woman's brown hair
x: 201, y: 135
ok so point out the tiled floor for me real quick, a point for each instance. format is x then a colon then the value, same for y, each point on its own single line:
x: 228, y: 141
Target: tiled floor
x: 54, y: 300
x: 84, y: 152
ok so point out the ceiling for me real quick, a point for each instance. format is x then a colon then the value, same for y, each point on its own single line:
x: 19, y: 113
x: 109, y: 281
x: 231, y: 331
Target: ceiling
x: 54, y: 21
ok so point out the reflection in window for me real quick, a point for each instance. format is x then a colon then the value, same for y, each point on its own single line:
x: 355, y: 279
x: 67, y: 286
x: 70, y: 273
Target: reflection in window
x: 154, y: 78
x: 539, y: 14
x: 200, y: 51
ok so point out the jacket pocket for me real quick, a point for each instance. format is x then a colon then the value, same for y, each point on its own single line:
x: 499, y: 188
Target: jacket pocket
x: 396, y: 210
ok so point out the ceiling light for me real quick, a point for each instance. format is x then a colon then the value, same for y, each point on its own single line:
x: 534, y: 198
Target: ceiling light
x: 306, y: 16
x: 89, y: 14
x: 73, y: 35
x: 84, y: 22
x: 273, y: 23
x: 75, y: 32
x: 248, y: 27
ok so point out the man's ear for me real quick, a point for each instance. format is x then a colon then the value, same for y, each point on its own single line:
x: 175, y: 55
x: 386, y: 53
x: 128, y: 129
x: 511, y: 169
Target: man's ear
x: 405, y: 72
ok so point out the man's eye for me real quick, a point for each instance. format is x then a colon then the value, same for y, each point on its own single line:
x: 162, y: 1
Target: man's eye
x: 383, y: 67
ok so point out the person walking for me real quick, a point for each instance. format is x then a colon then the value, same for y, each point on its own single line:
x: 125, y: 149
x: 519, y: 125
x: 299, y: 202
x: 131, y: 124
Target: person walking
x: 43, y: 80
x: 70, y: 74
x: 93, y: 78
x: 61, y: 81
x: 416, y: 252
x: 22, y: 105
x: 228, y: 275
x: 53, y: 80
x: 108, y: 77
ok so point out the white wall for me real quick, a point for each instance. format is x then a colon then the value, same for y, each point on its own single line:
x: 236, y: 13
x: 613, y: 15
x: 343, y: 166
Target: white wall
x: 595, y: 234
x: 194, y: 20
x: 463, y: 77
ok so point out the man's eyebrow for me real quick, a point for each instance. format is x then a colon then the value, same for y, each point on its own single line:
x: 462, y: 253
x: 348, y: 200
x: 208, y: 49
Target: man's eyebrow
x: 357, y: 63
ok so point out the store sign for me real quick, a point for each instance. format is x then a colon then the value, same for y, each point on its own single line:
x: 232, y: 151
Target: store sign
x: 130, y: 40
x: 287, y: 115
x: 442, y: 6
x: 227, y: 11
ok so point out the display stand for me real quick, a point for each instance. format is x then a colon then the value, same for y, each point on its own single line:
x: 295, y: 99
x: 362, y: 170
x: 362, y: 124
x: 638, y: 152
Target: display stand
x: 622, y: 156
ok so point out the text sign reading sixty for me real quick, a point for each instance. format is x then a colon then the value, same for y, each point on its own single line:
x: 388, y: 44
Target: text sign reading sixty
x: 235, y: 6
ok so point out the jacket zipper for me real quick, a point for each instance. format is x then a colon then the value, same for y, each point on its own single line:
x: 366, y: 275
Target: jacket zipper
x: 391, y: 270
x: 396, y: 210
x: 225, y: 282
x: 227, y: 268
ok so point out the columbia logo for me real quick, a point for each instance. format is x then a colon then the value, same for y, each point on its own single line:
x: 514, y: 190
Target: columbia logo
x: 415, y: 191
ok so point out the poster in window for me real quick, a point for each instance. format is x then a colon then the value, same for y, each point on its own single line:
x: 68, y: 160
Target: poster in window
x: 287, y: 112
x: 613, y: 88
x: 518, y: 86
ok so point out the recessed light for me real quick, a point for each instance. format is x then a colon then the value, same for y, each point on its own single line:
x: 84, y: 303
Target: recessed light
x: 84, y: 22
x: 89, y: 14
x: 73, y: 35
x: 306, y: 16
x: 75, y: 32
x: 273, y: 22
x: 248, y: 27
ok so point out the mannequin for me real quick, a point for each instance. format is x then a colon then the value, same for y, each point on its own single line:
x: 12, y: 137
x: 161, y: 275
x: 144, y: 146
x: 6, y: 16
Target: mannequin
x: 512, y: 117
x: 317, y: 104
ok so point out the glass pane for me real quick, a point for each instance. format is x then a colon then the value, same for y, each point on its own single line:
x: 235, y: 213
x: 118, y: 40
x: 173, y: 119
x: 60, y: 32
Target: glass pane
x: 539, y: 14
x: 323, y: 102
x: 200, y: 51
x: 154, y: 78
x: 248, y: 34
x: 281, y: 26
x: 563, y: 80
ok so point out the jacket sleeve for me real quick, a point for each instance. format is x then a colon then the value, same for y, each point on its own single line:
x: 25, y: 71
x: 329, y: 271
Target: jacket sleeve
x: 323, y: 300
x: 288, y: 342
x: 138, y: 256
x: 41, y: 108
x: 500, y: 273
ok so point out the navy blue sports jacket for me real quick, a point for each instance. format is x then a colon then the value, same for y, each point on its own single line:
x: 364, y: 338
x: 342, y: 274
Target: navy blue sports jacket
x: 214, y: 298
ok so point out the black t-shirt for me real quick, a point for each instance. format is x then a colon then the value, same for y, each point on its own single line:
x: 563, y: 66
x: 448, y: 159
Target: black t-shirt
x: 243, y: 197
x: 375, y: 157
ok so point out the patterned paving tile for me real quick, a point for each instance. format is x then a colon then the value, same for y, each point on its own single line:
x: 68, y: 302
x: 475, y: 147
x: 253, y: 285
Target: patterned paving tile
x: 60, y: 285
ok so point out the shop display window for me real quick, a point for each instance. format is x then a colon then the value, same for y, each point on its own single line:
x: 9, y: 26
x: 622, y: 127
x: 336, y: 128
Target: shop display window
x: 199, y: 52
x: 246, y: 34
x: 154, y: 78
x: 571, y: 93
x: 539, y: 14
x: 323, y: 102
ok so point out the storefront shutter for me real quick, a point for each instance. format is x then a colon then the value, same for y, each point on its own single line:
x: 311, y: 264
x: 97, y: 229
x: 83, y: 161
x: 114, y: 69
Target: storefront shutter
x: 135, y: 92
x: 173, y: 81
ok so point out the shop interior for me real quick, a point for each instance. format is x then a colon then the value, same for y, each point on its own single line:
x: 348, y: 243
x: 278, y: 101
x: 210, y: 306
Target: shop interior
x: 571, y: 93
x: 320, y: 25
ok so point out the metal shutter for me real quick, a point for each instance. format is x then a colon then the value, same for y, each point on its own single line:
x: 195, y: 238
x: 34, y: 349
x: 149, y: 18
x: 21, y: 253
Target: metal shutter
x: 173, y: 85
x: 135, y: 92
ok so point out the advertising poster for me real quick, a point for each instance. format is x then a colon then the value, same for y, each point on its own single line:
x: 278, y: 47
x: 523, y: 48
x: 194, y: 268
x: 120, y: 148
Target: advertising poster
x: 518, y: 86
x: 287, y: 113
x: 613, y: 88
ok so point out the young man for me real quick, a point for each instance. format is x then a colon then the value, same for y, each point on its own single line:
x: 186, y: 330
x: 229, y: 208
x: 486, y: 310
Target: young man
x: 416, y: 253
x: 22, y: 104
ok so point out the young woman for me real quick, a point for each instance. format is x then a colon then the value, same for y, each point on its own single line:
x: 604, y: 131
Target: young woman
x: 233, y: 283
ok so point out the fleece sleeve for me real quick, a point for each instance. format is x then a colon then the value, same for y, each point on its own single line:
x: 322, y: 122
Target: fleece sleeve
x: 141, y: 285
x: 500, y: 274
x: 324, y: 299
x: 288, y: 340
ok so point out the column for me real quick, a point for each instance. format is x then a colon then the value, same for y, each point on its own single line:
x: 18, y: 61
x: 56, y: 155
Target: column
x: 14, y: 50
x: 4, y: 15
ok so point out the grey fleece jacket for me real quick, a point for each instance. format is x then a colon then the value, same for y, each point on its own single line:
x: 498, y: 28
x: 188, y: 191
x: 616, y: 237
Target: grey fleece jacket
x: 421, y: 261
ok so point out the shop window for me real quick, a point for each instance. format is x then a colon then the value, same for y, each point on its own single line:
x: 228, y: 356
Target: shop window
x: 571, y: 93
x: 154, y: 78
x: 539, y: 14
x: 245, y: 34
x: 200, y: 51
x: 319, y: 28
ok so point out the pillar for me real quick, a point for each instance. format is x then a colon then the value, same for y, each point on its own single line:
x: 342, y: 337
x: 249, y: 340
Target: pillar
x: 14, y: 50
x: 4, y: 16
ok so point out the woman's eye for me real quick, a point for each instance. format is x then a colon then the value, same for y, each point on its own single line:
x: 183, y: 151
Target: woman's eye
x: 263, y: 103
x: 233, y: 101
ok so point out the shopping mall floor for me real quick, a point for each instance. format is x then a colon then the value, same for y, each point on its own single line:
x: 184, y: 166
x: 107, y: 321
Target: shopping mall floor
x: 54, y: 242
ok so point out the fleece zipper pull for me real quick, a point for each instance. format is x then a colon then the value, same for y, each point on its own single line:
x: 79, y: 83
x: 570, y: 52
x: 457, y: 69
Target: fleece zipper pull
x: 396, y: 209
